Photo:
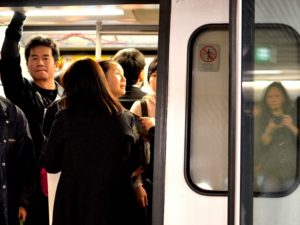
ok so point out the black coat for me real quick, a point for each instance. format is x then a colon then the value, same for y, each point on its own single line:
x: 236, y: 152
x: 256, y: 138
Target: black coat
x: 17, y: 162
x: 96, y: 156
x: 132, y: 94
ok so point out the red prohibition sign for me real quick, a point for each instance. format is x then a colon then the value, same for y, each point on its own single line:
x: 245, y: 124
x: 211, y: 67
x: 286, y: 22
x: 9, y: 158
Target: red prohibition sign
x: 208, y: 54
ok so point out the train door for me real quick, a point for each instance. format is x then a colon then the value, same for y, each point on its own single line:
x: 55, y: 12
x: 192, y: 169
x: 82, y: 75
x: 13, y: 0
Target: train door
x: 196, y: 169
x: 224, y: 58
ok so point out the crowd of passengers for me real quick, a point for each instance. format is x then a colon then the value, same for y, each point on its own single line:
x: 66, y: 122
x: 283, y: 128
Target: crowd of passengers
x: 94, y: 126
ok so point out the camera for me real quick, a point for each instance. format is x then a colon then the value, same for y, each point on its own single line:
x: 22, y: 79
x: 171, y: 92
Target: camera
x: 277, y: 119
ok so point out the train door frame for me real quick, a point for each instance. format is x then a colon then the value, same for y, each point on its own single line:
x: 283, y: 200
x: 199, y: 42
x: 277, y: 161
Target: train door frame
x: 234, y: 70
x: 240, y: 192
x: 246, y: 164
x: 162, y: 85
x: 161, y: 112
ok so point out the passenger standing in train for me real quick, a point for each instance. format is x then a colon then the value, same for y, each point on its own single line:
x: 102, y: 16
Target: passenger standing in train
x: 146, y: 109
x: 33, y: 98
x: 275, y: 156
x: 91, y: 142
x: 17, y: 164
x: 133, y: 63
x: 117, y: 83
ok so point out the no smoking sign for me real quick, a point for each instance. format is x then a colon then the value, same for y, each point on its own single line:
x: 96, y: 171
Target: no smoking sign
x: 209, y: 55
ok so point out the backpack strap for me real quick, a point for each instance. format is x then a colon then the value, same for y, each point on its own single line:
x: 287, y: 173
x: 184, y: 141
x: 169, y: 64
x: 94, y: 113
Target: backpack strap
x: 144, y: 108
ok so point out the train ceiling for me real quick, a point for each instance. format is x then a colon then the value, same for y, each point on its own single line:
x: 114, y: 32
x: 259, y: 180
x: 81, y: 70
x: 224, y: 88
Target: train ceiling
x: 119, y: 24
x: 133, y: 14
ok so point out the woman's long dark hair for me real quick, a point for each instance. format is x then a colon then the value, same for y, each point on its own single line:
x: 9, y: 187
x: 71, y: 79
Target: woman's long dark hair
x: 86, y: 88
x: 105, y: 65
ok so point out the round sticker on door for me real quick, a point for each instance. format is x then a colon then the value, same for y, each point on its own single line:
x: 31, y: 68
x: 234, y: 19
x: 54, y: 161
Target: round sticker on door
x: 208, y: 54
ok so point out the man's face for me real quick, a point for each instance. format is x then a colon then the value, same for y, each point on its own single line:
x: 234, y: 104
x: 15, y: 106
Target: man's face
x: 41, y: 64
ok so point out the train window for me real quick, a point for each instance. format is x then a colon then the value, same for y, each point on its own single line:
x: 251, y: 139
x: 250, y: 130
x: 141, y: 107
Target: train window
x: 271, y: 87
x: 207, y: 131
x: 274, y: 83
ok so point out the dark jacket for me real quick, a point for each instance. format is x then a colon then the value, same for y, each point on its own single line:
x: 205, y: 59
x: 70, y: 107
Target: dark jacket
x: 17, y: 161
x: 132, y: 94
x: 96, y: 156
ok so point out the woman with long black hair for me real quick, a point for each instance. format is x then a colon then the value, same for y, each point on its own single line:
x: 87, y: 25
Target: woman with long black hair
x: 92, y: 144
x: 276, y: 145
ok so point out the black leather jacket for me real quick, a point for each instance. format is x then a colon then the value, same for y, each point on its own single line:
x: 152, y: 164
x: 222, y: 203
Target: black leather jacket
x: 16, y: 162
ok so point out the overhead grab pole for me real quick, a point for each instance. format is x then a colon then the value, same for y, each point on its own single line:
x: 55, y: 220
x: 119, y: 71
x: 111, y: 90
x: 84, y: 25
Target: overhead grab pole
x: 98, y: 40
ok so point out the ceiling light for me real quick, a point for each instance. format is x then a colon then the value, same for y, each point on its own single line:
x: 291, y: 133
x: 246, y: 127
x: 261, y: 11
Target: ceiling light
x: 80, y: 12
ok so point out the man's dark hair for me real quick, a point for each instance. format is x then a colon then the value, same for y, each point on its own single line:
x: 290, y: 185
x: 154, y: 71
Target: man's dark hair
x: 152, y: 68
x: 42, y: 41
x: 132, y: 62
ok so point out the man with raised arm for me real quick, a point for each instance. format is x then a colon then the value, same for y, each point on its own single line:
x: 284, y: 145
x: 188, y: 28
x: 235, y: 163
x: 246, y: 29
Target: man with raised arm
x: 33, y: 97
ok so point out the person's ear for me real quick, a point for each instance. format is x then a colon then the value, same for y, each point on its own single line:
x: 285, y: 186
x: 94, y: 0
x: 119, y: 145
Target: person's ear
x: 142, y: 75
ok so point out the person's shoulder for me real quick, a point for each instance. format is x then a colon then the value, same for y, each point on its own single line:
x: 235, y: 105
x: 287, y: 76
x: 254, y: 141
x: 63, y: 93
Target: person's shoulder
x: 4, y: 100
x: 138, y: 93
x: 126, y: 114
x: 128, y: 118
x: 127, y: 123
x: 10, y: 109
x: 133, y: 92
x: 3, y: 105
x: 131, y: 118
x: 6, y: 104
x: 136, y: 107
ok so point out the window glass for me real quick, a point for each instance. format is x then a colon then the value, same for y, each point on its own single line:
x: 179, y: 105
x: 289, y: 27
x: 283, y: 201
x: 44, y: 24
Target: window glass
x: 272, y: 90
x: 207, y: 139
x: 276, y: 88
